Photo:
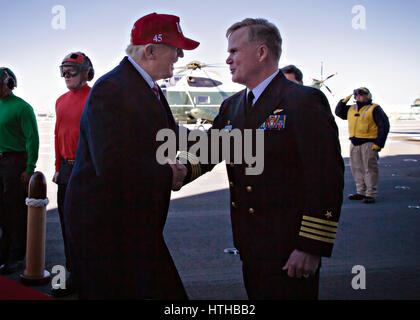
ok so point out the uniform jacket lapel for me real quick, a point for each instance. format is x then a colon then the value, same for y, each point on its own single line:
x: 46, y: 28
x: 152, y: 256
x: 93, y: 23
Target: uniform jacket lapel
x: 239, y: 112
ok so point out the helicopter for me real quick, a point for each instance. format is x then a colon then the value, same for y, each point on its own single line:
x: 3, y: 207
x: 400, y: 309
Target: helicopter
x: 196, y: 91
x: 320, y: 83
x: 415, y: 107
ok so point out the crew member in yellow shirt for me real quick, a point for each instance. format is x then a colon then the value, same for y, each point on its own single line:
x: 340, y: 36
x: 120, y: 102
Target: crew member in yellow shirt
x: 368, y: 130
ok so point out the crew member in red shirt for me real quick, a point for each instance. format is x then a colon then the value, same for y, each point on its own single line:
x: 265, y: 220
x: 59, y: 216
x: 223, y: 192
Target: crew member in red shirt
x: 77, y: 70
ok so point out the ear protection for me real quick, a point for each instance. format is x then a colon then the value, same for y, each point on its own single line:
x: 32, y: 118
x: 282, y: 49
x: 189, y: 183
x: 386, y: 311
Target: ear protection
x: 10, y: 79
x: 91, y: 72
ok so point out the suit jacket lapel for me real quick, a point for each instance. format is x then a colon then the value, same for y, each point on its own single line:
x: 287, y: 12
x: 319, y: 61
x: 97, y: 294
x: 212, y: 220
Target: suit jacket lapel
x: 238, y: 112
x: 269, y: 100
x: 150, y: 104
x: 164, y: 102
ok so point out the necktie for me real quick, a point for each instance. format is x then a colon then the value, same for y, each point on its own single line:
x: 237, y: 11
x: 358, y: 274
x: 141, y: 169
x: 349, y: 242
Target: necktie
x: 156, y: 90
x: 249, y: 100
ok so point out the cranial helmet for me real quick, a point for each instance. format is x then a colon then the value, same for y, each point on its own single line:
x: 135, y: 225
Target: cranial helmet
x: 10, y: 78
x: 362, y: 91
x: 80, y: 61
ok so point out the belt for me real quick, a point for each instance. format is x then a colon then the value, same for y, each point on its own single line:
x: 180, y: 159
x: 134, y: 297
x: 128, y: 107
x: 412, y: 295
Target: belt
x: 3, y: 155
x: 69, y: 161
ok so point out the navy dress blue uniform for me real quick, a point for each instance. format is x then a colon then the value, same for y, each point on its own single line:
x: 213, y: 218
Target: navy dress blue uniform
x: 118, y: 195
x: 295, y: 202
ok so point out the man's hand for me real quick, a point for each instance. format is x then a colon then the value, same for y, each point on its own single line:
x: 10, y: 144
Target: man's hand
x: 376, y: 148
x: 179, y: 171
x: 25, y: 177
x: 301, y: 264
x: 55, y: 178
x: 345, y: 100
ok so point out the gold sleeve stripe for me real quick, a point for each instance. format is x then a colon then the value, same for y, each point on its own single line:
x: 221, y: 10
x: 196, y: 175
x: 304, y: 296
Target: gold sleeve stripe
x: 310, y: 236
x: 189, y: 156
x: 318, y: 226
x: 194, y: 161
x: 321, y: 233
x: 323, y: 221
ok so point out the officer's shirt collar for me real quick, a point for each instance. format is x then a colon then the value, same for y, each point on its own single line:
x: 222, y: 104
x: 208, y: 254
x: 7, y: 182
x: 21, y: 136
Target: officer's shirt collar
x: 258, y: 90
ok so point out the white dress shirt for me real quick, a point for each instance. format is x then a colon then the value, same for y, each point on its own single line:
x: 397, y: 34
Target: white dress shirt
x: 258, y: 90
x: 143, y: 73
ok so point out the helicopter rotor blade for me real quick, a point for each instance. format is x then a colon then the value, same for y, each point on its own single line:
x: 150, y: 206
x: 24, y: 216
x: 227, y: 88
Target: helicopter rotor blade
x: 331, y: 76
x: 223, y: 94
x: 183, y: 69
x: 329, y: 90
x: 216, y: 64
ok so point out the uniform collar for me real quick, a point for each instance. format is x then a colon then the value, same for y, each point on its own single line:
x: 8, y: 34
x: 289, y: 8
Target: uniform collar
x: 258, y: 90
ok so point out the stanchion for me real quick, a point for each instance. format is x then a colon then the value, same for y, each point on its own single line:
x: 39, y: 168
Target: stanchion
x: 37, y: 201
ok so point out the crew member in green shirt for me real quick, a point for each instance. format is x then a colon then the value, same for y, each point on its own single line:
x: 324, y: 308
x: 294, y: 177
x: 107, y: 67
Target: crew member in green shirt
x: 19, y: 143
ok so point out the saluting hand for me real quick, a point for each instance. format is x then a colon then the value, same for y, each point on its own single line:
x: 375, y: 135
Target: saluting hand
x: 301, y: 264
x: 345, y: 100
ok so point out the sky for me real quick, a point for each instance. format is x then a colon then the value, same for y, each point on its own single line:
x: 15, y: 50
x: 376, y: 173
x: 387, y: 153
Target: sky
x: 369, y: 43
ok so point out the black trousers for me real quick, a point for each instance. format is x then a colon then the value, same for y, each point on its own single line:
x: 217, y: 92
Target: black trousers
x: 265, y: 280
x: 13, y: 210
x: 63, y: 179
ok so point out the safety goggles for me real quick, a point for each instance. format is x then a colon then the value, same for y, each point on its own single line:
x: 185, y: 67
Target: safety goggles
x: 360, y: 92
x: 69, y: 73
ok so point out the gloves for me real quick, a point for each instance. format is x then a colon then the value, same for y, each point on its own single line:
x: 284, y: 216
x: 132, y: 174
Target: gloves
x: 376, y: 148
x: 347, y: 99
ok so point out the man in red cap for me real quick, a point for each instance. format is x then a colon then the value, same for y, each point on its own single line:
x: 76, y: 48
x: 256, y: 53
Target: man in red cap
x: 118, y: 195
x: 76, y: 69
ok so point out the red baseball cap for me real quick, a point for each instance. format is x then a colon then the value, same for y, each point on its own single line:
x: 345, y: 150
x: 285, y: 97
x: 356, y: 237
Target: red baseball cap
x: 160, y: 28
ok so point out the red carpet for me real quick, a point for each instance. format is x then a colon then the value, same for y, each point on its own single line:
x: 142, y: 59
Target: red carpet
x: 10, y: 290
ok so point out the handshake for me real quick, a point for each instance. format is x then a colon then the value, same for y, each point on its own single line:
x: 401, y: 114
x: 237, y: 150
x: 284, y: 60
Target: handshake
x: 179, y: 172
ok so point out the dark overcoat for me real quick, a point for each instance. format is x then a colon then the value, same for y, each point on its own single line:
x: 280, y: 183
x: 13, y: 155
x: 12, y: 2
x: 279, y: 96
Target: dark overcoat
x: 118, y: 194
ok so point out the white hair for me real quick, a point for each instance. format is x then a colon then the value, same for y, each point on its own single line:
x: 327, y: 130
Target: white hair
x: 134, y: 51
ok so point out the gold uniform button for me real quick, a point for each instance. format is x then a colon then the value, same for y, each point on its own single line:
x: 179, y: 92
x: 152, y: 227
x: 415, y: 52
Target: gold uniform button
x: 251, y: 211
x: 232, y: 164
x: 231, y: 184
x: 249, y: 189
x: 233, y: 204
x: 250, y: 165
